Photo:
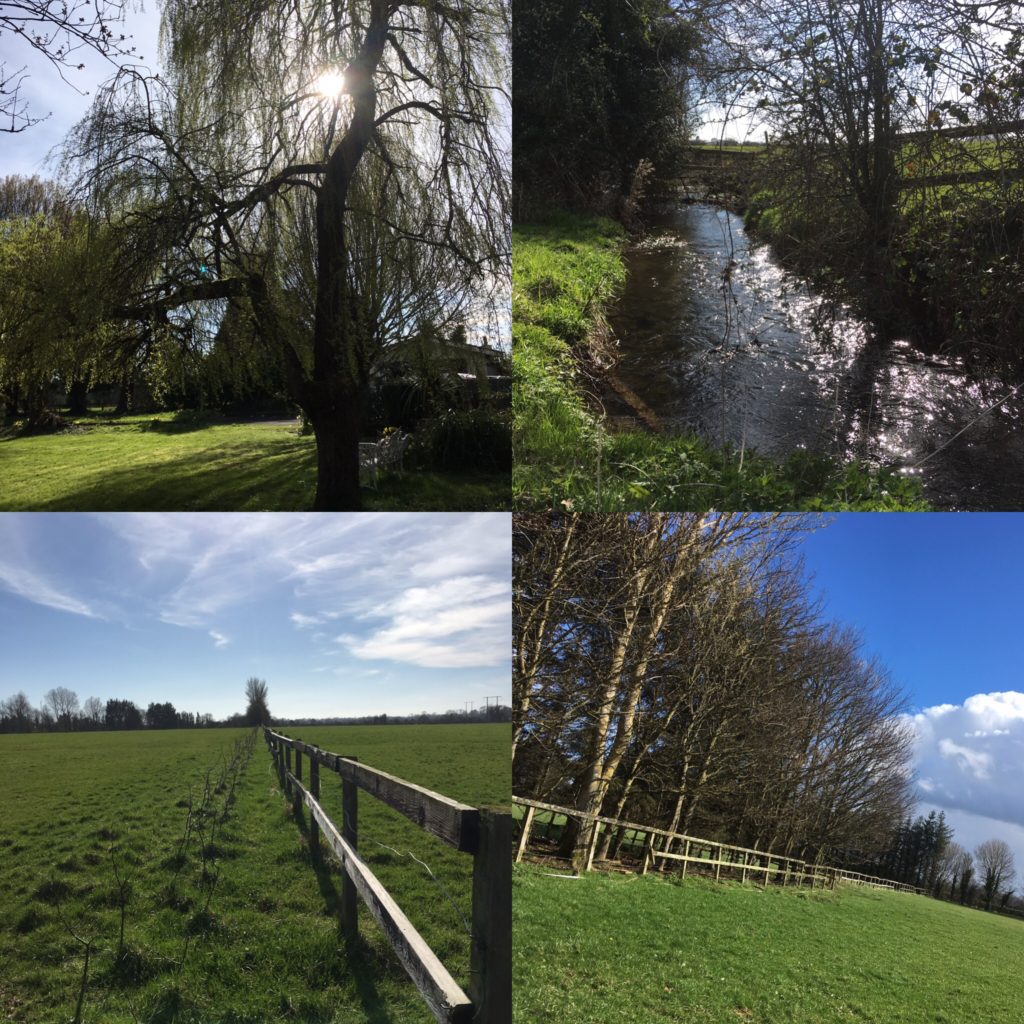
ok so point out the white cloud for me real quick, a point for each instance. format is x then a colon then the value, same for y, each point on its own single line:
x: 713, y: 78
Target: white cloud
x: 970, y: 757
x: 219, y: 639
x: 429, y: 589
x: 979, y: 765
x: 455, y: 623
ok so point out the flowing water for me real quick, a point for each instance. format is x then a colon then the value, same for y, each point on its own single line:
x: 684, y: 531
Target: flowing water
x: 717, y: 338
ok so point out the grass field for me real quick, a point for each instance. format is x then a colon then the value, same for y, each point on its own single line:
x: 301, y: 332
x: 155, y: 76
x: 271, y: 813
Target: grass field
x: 162, y: 463
x: 605, y: 949
x: 261, y: 942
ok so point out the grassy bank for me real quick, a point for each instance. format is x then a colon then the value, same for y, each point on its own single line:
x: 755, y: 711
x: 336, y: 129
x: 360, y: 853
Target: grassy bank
x: 565, y: 271
x: 236, y: 926
x: 605, y: 949
x: 164, y: 462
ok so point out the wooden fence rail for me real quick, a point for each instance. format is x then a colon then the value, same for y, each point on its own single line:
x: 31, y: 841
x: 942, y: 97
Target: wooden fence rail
x: 742, y: 861
x: 483, y: 832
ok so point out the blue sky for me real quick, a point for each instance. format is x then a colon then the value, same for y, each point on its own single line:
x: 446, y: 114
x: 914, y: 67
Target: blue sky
x: 341, y: 614
x: 937, y: 597
x: 67, y: 101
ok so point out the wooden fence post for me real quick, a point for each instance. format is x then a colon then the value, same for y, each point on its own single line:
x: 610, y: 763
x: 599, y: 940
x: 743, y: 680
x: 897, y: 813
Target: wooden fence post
x: 686, y: 853
x: 592, y: 845
x: 350, y: 833
x: 524, y: 835
x: 287, y: 767
x: 314, y: 789
x: 648, y: 854
x: 297, y: 795
x: 490, y: 966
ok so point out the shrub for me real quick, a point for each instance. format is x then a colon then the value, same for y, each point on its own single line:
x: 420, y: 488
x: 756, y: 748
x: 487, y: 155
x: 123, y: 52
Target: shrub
x: 472, y: 439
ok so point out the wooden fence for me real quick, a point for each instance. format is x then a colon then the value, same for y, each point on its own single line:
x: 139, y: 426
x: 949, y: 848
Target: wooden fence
x: 708, y: 856
x: 484, y: 833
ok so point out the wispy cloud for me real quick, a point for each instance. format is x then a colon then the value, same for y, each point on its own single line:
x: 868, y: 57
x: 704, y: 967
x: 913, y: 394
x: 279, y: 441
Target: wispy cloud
x: 456, y: 623
x: 431, y: 590
x: 32, y: 586
x: 219, y: 639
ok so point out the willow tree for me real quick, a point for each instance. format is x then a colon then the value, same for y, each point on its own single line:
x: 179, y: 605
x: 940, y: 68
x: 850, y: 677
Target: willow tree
x: 342, y: 167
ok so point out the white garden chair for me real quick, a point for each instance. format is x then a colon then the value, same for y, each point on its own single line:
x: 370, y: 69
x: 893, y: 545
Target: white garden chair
x: 377, y: 455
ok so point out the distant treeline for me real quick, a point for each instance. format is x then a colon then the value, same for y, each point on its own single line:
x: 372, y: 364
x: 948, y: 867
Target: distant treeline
x: 494, y: 713
x: 922, y: 853
x: 62, y: 712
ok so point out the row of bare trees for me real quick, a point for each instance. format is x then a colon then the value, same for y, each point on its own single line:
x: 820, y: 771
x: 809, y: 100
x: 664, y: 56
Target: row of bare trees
x: 984, y: 879
x: 923, y: 853
x: 675, y: 670
x: 61, y: 711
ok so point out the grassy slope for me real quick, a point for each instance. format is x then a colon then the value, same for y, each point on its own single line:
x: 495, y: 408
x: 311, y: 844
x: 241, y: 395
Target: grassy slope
x: 273, y: 951
x: 155, y: 463
x: 564, y: 271
x: 608, y: 949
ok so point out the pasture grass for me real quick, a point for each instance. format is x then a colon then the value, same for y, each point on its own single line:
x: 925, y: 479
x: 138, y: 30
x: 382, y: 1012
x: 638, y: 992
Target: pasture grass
x: 167, y: 462
x: 263, y: 944
x: 605, y: 949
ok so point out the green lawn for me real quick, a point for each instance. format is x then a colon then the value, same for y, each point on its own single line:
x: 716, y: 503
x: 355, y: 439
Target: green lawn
x: 166, y: 463
x: 605, y: 949
x: 267, y: 947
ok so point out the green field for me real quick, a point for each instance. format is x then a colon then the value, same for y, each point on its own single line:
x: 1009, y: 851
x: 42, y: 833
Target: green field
x: 161, y: 462
x: 605, y: 949
x: 256, y: 940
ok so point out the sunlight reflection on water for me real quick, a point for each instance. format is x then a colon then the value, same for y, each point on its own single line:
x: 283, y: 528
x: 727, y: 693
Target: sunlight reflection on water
x: 716, y: 337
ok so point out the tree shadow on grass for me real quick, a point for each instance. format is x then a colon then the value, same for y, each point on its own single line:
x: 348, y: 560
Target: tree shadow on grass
x: 274, y: 476
x: 432, y: 491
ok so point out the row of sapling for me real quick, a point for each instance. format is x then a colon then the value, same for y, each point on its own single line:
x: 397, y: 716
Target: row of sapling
x: 204, y: 820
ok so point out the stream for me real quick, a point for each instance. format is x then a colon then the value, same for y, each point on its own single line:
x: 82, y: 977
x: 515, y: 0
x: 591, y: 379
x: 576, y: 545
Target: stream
x: 715, y: 337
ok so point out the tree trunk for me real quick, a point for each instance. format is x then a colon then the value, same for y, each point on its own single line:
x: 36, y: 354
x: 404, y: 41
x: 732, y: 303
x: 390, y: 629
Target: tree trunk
x: 35, y: 406
x: 78, y: 404
x: 12, y: 396
x: 529, y: 656
x: 124, y: 393
x: 337, y: 426
x: 343, y: 330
